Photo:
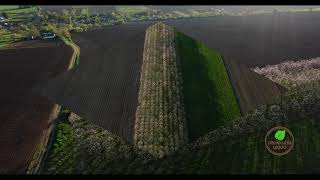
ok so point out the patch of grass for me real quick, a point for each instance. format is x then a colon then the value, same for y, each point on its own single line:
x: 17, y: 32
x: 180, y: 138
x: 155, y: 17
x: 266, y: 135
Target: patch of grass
x: 3, y: 44
x: 10, y: 37
x: 81, y: 147
x: 131, y: 9
x: 61, y: 156
x: 6, y: 39
x: 180, y: 14
x: 22, y: 10
x: 209, y: 98
x: 8, y: 7
x: 21, y: 14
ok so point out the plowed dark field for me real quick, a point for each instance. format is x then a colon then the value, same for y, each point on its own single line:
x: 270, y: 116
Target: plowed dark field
x: 104, y: 87
x: 259, y: 39
x: 255, y: 40
x: 23, y: 115
x: 251, y: 89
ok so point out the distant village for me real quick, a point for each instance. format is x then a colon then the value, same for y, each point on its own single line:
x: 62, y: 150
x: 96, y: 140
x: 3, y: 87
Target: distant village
x: 48, y: 24
x: 11, y: 25
x: 81, y: 19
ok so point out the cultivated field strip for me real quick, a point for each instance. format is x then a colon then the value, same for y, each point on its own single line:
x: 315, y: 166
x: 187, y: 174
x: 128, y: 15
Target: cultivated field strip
x: 208, y: 95
x: 103, y: 89
x: 259, y: 39
x: 160, y: 117
x: 251, y: 89
x: 23, y: 115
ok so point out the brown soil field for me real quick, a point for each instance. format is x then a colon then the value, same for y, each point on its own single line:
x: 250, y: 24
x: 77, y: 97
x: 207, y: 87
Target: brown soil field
x: 256, y: 40
x: 251, y: 89
x: 104, y: 87
x: 24, y: 115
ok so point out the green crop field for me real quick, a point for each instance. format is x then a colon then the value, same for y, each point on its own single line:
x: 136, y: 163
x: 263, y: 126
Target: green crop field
x: 15, y: 14
x: 81, y: 147
x: 6, y: 39
x: 61, y: 155
x: 8, y: 7
x: 209, y: 98
x: 19, y: 14
x: 21, y: 10
x: 131, y: 9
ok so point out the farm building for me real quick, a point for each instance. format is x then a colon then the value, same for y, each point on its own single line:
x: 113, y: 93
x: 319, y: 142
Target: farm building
x: 48, y: 35
x: 2, y: 19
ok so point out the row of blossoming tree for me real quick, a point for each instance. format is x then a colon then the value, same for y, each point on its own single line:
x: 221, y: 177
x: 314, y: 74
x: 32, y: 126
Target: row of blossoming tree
x: 160, y: 119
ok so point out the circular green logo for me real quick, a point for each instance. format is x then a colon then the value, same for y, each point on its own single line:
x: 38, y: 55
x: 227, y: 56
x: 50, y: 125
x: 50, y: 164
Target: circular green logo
x: 279, y: 141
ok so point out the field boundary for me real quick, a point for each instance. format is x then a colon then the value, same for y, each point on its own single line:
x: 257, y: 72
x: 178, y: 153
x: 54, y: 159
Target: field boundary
x: 74, y: 62
x: 253, y: 89
x: 225, y: 63
x: 44, y: 146
x: 37, y: 163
